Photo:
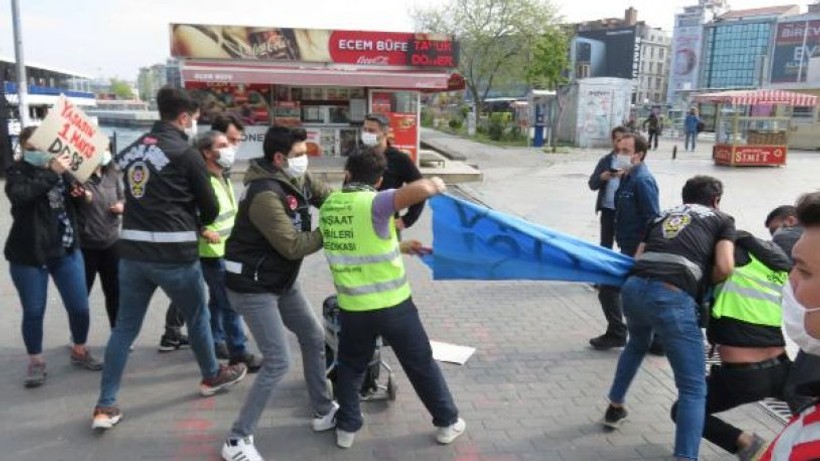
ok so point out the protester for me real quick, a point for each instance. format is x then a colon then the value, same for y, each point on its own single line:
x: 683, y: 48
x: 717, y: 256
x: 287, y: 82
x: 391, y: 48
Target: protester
x: 605, y: 179
x: 169, y: 197
x: 231, y: 126
x: 100, y: 217
x: 636, y: 204
x: 655, y: 127
x: 783, y: 227
x: 362, y: 248
x: 401, y: 169
x: 44, y: 241
x: 800, y: 439
x: 685, y: 249
x: 691, y: 128
x: 744, y: 328
x: 271, y: 236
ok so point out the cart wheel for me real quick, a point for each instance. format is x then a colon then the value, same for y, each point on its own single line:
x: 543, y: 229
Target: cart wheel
x: 392, y: 387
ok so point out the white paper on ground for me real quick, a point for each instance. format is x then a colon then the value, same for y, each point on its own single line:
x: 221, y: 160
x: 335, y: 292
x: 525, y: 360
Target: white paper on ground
x: 453, y: 353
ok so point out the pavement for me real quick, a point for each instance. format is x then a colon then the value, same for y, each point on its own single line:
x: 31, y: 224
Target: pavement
x: 534, y: 390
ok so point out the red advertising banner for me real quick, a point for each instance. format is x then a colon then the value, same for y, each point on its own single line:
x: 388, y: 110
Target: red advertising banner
x: 750, y: 155
x: 199, y: 41
x: 404, y: 133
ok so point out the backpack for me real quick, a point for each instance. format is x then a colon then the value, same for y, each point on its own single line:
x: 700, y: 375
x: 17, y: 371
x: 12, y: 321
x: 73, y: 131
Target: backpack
x: 700, y: 126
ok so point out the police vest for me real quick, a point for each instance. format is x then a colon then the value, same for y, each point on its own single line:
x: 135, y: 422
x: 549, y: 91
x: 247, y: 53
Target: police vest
x: 252, y: 265
x: 367, y: 269
x: 746, y: 311
x: 223, y: 223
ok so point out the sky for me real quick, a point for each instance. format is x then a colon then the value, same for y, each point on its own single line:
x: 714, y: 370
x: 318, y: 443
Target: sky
x: 114, y: 38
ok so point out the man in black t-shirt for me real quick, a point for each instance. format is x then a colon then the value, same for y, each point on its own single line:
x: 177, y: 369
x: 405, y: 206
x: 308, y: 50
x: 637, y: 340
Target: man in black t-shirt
x: 400, y: 167
x: 685, y: 249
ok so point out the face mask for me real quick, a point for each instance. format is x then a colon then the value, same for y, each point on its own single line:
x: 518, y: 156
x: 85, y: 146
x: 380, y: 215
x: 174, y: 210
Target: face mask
x: 297, y: 166
x: 226, y: 157
x: 106, y: 158
x: 622, y: 162
x: 370, y: 139
x: 36, y: 157
x: 794, y: 322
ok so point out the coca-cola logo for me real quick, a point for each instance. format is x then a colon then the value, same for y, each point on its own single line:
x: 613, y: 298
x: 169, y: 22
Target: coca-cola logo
x: 378, y: 60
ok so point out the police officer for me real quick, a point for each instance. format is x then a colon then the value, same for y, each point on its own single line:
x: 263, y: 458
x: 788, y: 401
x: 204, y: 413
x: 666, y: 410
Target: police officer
x: 744, y: 327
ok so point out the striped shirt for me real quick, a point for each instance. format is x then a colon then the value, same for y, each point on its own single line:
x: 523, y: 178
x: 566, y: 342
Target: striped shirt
x: 799, y: 441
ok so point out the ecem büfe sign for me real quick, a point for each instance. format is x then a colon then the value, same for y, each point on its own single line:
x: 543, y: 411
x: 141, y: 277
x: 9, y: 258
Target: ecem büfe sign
x: 198, y: 41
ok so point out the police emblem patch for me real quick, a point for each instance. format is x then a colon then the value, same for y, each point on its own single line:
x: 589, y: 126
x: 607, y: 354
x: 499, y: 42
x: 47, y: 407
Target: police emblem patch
x: 674, y: 224
x: 292, y: 204
x: 138, y: 175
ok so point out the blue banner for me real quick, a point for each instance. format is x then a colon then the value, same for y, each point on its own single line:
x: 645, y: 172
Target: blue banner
x: 474, y: 242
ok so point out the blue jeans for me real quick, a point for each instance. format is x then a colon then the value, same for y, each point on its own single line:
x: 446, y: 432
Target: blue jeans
x: 401, y: 328
x: 138, y: 281
x: 31, y: 282
x: 654, y: 305
x: 226, y: 324
x: 691, y: 136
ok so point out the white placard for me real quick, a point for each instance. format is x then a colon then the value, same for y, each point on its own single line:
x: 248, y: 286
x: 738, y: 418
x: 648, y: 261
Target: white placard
x: 453, y: 353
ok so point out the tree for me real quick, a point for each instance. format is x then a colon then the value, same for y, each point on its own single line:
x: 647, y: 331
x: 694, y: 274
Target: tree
x: 546, y: 70
x: 496, y: 37
x: 121, y: 89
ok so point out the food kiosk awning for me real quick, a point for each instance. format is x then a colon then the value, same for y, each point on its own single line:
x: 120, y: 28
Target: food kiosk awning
x: 245, y: 73
x: 758, y: 97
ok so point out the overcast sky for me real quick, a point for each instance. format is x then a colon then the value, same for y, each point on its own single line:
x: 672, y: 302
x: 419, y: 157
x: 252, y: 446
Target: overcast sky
x: 113, y: 38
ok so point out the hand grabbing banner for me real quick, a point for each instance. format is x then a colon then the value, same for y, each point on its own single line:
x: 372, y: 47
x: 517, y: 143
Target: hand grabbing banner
x: 474, y: 242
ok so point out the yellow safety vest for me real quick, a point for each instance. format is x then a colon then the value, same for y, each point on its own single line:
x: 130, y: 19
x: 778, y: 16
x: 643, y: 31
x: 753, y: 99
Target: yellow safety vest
x: 223, y: 223
x: 367, y: 270
x: 752, y: 294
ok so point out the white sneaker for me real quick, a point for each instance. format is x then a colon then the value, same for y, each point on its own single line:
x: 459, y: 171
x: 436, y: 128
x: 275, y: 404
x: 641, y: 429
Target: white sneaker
x: 240, y: 450
x: 328, y: 421
x: 445, y: 435
x: 344, y: 439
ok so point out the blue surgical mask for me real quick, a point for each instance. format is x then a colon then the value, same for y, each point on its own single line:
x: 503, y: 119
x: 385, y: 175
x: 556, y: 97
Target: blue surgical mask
x: 37, y: 158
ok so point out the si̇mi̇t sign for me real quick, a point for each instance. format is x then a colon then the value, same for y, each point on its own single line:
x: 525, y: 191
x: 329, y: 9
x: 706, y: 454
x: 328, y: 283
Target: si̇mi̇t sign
x: 67, y: 130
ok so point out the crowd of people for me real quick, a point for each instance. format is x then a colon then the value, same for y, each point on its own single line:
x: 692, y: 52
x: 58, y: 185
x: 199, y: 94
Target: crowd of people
x: 162, y: 213
x: 695, y: 271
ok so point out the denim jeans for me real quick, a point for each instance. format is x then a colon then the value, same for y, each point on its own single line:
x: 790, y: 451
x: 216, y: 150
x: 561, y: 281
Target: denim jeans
x: 654, y: 305
x: 31, y: 283
x: 267, y: 316
x: 226, y: 324
x: 401, y: 328
x: 690, y: 136
x: 138, y: 281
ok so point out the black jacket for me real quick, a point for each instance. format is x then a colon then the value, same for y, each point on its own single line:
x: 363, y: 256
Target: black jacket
x: 35, y: 233
x: 400, y: 171
x: 166, y: 184
x: 272, y: 232
x: 595, y: 182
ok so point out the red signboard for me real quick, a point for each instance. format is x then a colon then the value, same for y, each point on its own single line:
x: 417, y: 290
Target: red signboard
x: 199, y: 41
x: 750, y: 155
x: 404, y: 133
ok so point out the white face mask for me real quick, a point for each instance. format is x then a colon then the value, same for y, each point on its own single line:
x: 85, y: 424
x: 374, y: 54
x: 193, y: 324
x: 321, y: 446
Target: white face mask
x: 297, y: 166
x: 370, y: 139
x: 794, y: 322
x: 623, y: 162
x: 227, y: 155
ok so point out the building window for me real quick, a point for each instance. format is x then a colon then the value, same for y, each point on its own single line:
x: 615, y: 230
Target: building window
x: 651, y: 52
x: 660, y: 53
x: 658, y: 83
x: 582, y: 71
x: 660, y: 68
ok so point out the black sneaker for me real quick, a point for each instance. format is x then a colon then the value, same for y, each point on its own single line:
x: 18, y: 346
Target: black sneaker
x: 251, y: 361
x: 656, y: 348
x: 170, y: 343
x: 607, y: 341
x: 614, y: 417
x: 221, y: 350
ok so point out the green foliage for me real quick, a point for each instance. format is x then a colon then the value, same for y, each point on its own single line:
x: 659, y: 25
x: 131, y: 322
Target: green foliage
x: 550, y: 58
x: 454, y: 123
x: 496, y: 127
x: 496, y: 37
x: 121, y: 89
x: 426, y: 117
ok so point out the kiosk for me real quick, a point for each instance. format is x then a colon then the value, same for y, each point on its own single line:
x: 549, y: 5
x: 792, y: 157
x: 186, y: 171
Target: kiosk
x: 748, y: 129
